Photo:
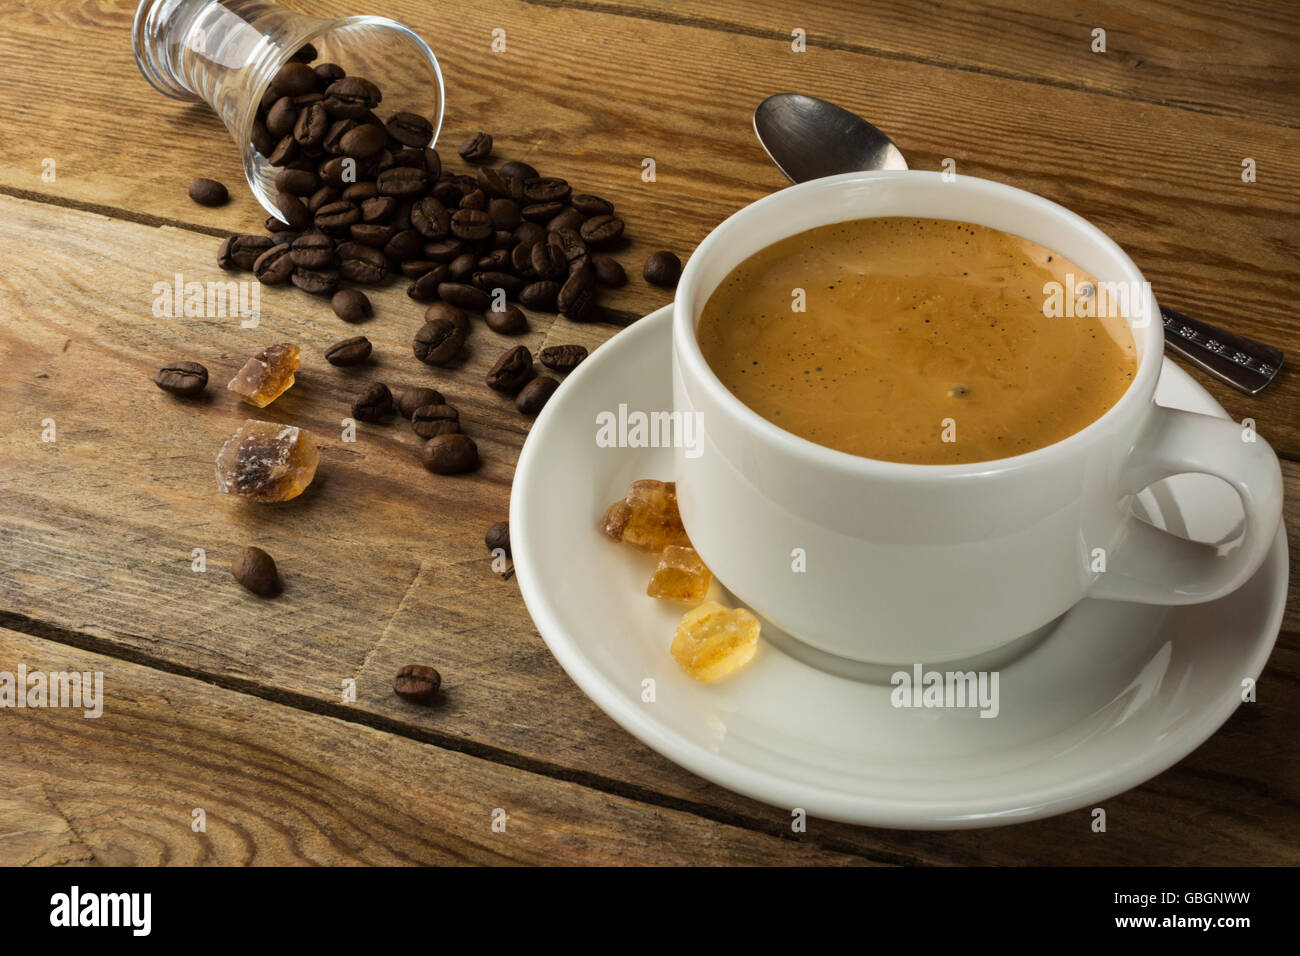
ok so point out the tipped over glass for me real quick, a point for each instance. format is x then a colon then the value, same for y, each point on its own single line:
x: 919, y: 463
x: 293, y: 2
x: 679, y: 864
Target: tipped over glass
x: 225, y: 53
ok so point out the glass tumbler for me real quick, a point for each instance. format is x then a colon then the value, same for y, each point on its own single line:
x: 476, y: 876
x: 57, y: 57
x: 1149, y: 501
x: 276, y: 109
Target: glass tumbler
x: 225, y: 52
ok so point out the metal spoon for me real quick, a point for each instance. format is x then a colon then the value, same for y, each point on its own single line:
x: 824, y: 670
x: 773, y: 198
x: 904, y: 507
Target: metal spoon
x: 808, y: 138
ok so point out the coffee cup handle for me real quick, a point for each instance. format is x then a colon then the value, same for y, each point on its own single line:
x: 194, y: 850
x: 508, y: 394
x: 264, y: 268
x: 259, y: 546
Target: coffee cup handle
x: 1151, y: 566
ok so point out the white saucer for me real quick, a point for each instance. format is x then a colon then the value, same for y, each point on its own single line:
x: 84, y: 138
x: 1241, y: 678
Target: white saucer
x: 1110, y: 698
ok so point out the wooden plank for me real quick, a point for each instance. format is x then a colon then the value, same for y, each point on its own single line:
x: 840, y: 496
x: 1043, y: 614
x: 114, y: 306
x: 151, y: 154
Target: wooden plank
x: 384, y: 563
x: 278, y: 786
x: 1207, y: 57
x: 1164, y: 181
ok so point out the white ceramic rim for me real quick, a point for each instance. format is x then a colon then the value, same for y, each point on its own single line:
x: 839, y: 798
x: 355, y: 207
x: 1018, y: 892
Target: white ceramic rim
x: 695, y: 369
x: 855, y: 808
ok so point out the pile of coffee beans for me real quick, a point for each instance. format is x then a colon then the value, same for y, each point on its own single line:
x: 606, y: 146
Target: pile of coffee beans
x: 363, y: 200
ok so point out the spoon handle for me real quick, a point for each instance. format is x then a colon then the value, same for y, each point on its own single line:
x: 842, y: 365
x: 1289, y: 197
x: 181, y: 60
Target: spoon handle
x: 1241, y: 362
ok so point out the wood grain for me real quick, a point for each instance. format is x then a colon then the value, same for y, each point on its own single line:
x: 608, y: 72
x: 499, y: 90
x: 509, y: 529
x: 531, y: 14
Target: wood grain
x: 384, y: 564
x: 1164, y: 181
x: 278, y: 786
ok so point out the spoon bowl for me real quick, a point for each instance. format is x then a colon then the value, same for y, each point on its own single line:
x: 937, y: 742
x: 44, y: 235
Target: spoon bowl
x: 808, y: 138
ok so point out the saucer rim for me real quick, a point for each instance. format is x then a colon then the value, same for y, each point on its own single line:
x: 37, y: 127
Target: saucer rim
x: 845, y: 806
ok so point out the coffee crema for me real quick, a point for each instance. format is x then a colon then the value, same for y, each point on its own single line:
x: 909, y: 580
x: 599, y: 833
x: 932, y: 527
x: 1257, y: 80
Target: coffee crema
x: 922, y: 341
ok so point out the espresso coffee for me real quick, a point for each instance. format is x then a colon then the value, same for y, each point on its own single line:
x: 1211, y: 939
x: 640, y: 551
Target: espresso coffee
x: 922, y: 341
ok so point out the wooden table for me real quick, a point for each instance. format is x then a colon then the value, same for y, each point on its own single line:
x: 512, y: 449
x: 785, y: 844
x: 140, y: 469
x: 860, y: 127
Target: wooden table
x: 221, y: 701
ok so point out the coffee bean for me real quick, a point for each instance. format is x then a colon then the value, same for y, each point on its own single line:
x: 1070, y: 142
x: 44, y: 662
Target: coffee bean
x: 431, y: 218
x: 477, y: 148
x: 255, y: 570
x: 570, y: 218
x: 518, y: 170
x: 414, y: 398
x: 453, y: 454
x: 322, y: 197
x: 414, y: 268
x: 361, y: 263
x: 464, y: 296
x: 429, y: 421
x: 293, y: 211
x: 547, y: 189
x: 372, y: 235
x: 312, y: 125
x: 608, y: 272
x: 578, y: 294
x: 280, y: 231
x: 312, y: 251
x: 351, y: 351
x: 209, y: 192
x: 563, y: 358
x: 286, y: 151
x: 442, y: 310
x: 509, y: 321
x: 601, y: 230
x: 540, y: 295
x: 306, y: 53
x: 534, y: 396
x: 410, y: 129
x: 548, y: 261
x: 315, y: 281
x: 262, y: 139
x: 529, y: 232
x: 463, y: 266
x: 472, y: 224
x: 351, y: 97
x: 335, y: 217
x: 274, y: 267
x: 417, y: 684
x: 282, y: 117
x: 475, y: 199
x: 590, y: 205
x: 492, y: 182
x: 293, y: 79
x: 504, y: 214
x: 498, y: 260
x: 363, y: 141
x: 378, y: 209
x: 425, y: 288
x: 240, y: 252
x: 663, y: 269
x: 570, y: 243
x: 406, y: 244
x: 438, y: 342
x: 182, y: 378
x: 498, y: 536
x: 402, y: 181
x: 327, y: 73
x: 521, y: 259
x: 489, y: 282
x: 512, y: 371
x: 432, y: 163
x: 335, y: 172
x: 333, y: 141
x: 296, y: 182
x: 351, y: 305
x: 375, y: 404
x: 541, y: 212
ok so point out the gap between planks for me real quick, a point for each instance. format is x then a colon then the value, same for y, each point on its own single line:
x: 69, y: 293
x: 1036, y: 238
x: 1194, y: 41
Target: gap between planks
x: 862, y: 49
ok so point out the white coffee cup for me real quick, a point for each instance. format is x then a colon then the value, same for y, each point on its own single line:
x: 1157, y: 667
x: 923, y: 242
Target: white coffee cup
x: 905, y: 563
